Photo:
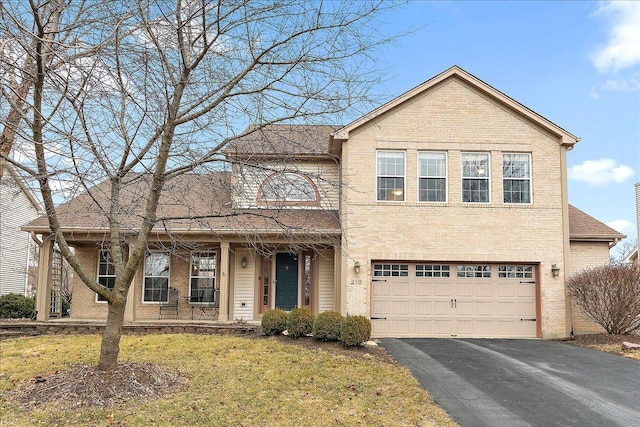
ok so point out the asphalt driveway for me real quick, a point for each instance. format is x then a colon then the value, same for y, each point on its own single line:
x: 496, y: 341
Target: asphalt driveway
x: 493, y: 382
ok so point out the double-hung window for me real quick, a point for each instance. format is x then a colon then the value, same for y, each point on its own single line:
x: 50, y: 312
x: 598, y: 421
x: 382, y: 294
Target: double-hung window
x: 106, y: 272
x: 432, y: 176
x: 391, y: 175
x: 156, y: 277
x: 516, y: 178
x: 203, y: 277
x: 475, y: 178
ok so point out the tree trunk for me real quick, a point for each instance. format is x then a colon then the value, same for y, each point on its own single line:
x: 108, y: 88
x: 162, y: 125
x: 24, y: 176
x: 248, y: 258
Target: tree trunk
x: 110, y: 347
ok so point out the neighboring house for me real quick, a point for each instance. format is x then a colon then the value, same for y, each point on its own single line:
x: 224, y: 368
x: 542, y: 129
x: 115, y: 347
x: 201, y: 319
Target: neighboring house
x: 442, y: 213
x: 633, y: 256
x: 17, y: 207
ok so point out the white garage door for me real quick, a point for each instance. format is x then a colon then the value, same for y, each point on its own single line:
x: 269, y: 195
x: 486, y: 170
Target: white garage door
x: 453, y: 300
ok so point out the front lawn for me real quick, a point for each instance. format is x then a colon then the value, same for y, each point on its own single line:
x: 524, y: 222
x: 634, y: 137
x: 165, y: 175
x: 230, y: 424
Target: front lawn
x: 229, y: 381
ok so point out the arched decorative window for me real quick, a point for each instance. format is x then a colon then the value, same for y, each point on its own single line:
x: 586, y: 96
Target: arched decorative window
x: 288, y: 187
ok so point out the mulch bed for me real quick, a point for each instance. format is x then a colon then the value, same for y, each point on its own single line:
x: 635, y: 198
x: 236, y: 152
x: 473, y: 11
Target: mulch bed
x: 84, y: 385
x: 363, y: 352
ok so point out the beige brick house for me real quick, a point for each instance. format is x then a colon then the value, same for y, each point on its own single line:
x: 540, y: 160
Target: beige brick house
x: 442, y: 213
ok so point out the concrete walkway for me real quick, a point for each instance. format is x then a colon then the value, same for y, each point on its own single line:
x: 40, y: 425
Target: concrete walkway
x: 492, y: 382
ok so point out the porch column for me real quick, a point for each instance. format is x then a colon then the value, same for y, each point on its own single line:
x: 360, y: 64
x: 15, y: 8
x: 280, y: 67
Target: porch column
x: 129, y: 309
x: 43, y: 290
x: 340, y: 288
x: 224, y: 281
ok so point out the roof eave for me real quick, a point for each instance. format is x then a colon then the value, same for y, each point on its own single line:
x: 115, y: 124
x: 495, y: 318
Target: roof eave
x: 566, y: 138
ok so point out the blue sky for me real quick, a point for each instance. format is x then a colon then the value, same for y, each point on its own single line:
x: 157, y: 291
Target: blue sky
x: 575, y: 63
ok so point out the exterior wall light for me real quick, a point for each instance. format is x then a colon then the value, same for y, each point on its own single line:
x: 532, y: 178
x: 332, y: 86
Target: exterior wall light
x: 244, y: 262
x: 356, y: 267
x: 555, y: 270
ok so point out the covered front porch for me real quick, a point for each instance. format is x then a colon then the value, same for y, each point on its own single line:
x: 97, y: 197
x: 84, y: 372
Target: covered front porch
x: 229, y: 280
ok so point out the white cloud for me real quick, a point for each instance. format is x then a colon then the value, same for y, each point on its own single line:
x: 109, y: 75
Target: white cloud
x: 600, y: 172
x: 623, y: 226
x: 622, y: 48
x: 630, y: 84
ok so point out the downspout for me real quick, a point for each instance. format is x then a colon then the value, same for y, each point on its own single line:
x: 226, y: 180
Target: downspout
x: 566, y: 253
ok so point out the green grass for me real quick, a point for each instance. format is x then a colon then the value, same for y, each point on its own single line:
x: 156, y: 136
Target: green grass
x: 232, y: 382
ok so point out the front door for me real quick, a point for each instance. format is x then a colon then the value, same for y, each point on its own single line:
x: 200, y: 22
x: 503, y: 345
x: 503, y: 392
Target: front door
x: 286, y: 281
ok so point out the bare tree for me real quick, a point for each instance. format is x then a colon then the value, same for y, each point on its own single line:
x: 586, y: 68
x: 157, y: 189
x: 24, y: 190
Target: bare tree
x: 144, y: 92
x: 622, y: 251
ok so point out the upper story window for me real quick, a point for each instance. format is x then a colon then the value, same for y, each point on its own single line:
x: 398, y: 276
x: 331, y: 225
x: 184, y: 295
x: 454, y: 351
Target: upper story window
x: 390, y: 175
x: 475, y: 177
x: 516, y: 178
x: 156, y: 277
x: 288, y: 187
x: 106, y: 272
x: 432, y: 176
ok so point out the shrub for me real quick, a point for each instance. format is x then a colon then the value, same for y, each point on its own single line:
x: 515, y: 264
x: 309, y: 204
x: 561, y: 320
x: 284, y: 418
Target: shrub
x: 327, y: 326
x: 15, y: 306
x: 274, y: 322
x: 355, y: 330
x: 300, y: 322
x: 609, y: 295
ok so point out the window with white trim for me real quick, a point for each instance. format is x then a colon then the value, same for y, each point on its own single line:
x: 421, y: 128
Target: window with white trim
x: 515, y: 272
x: 156, y: 277
x: 473, y: 271
x: 288, y: 187
x: 390, y: 175
x: 432, y: 176
x: 516, y: 178
x: 106, y: 272
x: 391, y: 270
x: 475, y: 177
x: 202, y: 277
x: 432, y: 270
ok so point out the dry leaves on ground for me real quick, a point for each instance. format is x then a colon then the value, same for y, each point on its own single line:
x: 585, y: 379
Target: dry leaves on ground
x: 84, y: 385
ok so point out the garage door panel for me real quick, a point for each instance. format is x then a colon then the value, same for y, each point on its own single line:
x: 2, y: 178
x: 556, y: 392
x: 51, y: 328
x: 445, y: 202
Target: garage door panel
x: 424, y: 327
x: 400, y: 308
x: 484, y: 290
x: 442, y: 308
x: 484, y: 308
x: 526, y: 309
x: 381, y: 289
x: 506, y: 290
x: 442, y: 327
x: 526, y: 290
x: 381, y: 308
x: 401, y: 327
x: 465, y: 290
x: 443, y: 289
x: 423, y: 289
x: 400, y: 289
x: 507, y: 308
x: 465, y: 308
x: 424, y: 308
x: 472, y: 301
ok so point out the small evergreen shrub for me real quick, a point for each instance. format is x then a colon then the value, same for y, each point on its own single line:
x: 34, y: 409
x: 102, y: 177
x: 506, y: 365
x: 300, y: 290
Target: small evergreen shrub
x: 355, y: 330
x: 15, y: 306
x: 274, y: 322
x: 300, y: 322
x: 327, y: 326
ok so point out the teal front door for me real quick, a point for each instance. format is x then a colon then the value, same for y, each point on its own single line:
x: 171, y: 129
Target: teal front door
x: 286, y: 281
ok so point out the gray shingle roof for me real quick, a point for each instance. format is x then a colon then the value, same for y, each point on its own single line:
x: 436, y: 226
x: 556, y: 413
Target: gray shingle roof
x: 583, y: 226
x: 283, y: 140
